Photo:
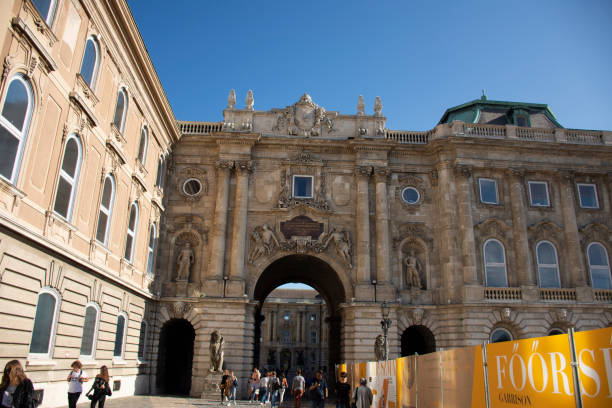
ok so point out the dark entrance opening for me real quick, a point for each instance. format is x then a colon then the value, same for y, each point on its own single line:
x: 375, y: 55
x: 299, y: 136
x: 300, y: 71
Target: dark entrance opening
x: 417, y: 339
x: 175, y: 357
x: 315, y: 273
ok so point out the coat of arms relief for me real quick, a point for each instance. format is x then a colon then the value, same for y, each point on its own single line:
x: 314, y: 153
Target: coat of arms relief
x: 304, y: 118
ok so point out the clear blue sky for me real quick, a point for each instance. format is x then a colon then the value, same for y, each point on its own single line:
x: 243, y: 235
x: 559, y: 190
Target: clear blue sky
x: 420, y: 57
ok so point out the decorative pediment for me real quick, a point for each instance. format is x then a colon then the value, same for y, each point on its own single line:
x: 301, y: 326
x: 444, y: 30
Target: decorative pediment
x: 595, y: 232
x: 414, y: 231
x: 545, y: 229
x: 493, y: 227
x: 304, y: 118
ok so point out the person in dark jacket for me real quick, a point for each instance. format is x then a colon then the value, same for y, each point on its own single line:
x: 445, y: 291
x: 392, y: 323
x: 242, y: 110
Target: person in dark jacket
x: 343, y: 391
x: 100, y: 388
x: 16, y: 389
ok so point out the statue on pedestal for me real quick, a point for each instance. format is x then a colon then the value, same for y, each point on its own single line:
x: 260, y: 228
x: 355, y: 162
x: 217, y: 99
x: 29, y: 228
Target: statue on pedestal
x: 379, y: 348
x: 184, y: 262
x: 413, y: 276
x: 216, y: 351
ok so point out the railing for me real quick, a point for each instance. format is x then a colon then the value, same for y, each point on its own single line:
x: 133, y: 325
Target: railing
x: 535, y: 134
x: 503, y: 294
x: 564, y: 295
x: 583, y: 137
x: 198, y: 128
x: 475, y: 129
x: 603, y: 295
x: 408, y: 137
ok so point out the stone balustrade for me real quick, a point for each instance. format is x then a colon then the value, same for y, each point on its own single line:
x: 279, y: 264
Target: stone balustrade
x: 198, y: 128
x: 558, y: 295
x: 603, y: 295
x: 409, y: 137
x: 504, y: 294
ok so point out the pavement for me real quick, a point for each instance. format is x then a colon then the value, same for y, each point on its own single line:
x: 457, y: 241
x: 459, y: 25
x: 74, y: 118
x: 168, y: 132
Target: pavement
x: 160, y: 401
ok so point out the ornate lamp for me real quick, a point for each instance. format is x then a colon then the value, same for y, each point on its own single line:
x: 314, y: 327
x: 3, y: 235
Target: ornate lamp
x: 385, y: 323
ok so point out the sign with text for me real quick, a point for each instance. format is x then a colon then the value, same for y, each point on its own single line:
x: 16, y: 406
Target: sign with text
x: 594, y: 358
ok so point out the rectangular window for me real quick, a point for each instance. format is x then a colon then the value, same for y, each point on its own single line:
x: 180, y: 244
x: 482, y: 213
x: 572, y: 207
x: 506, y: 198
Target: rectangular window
x: 588, y: 196
x: 488, y: 191
x: 286, y: 316
x: 313, y: 317
x: 302, y: 186
x: 313, y: 337
x: 538, y: 194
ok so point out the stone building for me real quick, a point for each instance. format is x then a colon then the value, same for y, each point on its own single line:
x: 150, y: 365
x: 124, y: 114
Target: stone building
x: 494, y: 224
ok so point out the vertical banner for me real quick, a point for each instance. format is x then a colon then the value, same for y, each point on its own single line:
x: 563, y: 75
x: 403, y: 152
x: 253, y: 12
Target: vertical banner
x: 407, y: 395
x: 457, y: 365
x: 594, y: 358
x: 386, y: 384
x: 531, y: 373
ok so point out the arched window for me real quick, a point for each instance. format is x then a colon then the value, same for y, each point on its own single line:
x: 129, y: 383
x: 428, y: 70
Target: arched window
x: 131, y: 233
x: 120, y: 332
x: 142, y: 146
x: 499, y: 335
x: 45, y: 323
x: 555, y: 331
x: 14, y: 123
x: 151, y: 249
x: 160, y: 172
x: 46, y: 8
x: 548, y: 265
x: 120, y: 110
x: 91, y: 61
x: 142, y: 341
x: 599, y: 266
x: 90, y: 331
x: 495, y: 264
x: 68, y: 177
x: 106, y: 209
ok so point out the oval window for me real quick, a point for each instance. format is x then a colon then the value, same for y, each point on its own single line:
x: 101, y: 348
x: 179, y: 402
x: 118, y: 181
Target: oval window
x: 410, y: 195
x: 192, y: 187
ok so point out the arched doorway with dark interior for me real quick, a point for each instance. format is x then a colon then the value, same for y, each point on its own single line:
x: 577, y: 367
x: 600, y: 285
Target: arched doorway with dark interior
x: 417, y: 339
x: 175, y: 357
x: 297, y: 322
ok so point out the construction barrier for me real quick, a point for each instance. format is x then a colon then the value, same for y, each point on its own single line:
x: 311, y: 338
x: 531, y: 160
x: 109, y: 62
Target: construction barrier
x: 565, y: 370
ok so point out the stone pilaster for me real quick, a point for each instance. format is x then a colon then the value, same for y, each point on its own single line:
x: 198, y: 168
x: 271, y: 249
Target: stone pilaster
x: 219, y: 232
x: 523, y: 260
x: 239, y: 227
x: 363, y: 174
x: 466, y: 224
x: 570, y: 230
x: 383, y: 269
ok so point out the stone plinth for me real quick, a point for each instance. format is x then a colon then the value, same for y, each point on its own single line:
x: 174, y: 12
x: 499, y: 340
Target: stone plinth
x: 211, y: 386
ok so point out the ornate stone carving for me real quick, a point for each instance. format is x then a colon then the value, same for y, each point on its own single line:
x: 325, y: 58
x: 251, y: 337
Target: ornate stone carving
x: 506, y: 312
x: 463, y: 170
x: 32, y: 66
x: 342, y: 243
x: 492, y: 228
x: 184, y: 260
x: 225, y: 164
x: 595, y: 232
x: 413, y: 270
x: 6, y: 67
x: 244, y: 166
x: 417, y: 316
x: 433, y: 176
x: 380, y: 128
x: 178, y: 310
x: 304, y: 118
x: 264, y: 243
x: 378, y: 106
x: 562, y: 315
x: 249, y: 101
x: 360, y: 106
x: 364, y: 171
x: 231, y: 100
x: 379, y: 348
x: 381, y: 174
x: 216, y: 351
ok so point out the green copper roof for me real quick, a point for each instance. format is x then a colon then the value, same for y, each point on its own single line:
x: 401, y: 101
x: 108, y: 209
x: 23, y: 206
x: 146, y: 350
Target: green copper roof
x: 470, y: 111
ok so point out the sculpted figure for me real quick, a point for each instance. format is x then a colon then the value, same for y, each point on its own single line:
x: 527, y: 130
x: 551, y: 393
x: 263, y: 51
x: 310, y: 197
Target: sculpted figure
x: 216, y: 351
x: 264, y: 242
x: 184, y: 262
x: 379, y: 348
x: 413, y: 276
x: 343, y: 244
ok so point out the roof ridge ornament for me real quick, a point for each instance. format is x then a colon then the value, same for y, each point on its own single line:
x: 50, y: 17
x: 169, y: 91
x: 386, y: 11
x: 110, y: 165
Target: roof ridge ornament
x: 378, y: 106
x: 231, y: 100
x: 249, y: 101
x: 360, y: 106
x: 484, y: 96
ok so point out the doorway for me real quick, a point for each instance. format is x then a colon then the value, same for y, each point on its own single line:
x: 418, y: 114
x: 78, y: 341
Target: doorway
x: 175, y: 358
x: 417, y: 340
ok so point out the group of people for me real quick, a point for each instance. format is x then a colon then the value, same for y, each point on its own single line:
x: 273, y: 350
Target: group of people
x: 17, y: 390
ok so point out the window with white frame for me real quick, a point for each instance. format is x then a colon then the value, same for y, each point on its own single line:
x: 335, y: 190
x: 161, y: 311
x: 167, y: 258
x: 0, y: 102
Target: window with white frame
x: 159, y: 179
x: 142, y: 341
x: 17, y: 108
x: 538, y: 194
x: 106, y: 209
x: 498, y: 335
x: 410, y: 195
x: 302, y: 186
x: 68, y: 177
x: 131, y: 233
x: 120, y: 333
x: 120, y: 110
x: 91, y: 60
x: 495, y: 264
x: 488, y: 191
x: 588, y: 195
x: 142, y: 146
x: 90, y: 331
x: 599, y: 266
x: 548, y: 265
x: 46, y: 8
x: 45, y: 323
x: 151, y: 249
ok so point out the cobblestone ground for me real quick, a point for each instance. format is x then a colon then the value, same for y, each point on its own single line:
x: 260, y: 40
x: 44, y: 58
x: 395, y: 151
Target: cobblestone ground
x: 157, y: 401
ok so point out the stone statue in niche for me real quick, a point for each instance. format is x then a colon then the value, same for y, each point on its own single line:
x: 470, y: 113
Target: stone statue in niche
x: 216, y: 351
x: 264, y: 242
x: 413, y: 271
x: 283, y: 196
x: 342, y: 243
x: 379, y: 348
x: 183, y: 262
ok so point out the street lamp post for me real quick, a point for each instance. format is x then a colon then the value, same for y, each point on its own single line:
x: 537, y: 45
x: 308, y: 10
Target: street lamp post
x: 385, y: 323
x: 225, y: 278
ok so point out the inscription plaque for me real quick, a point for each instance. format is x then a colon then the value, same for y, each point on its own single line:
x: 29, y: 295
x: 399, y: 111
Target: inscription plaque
x: 301, y: 226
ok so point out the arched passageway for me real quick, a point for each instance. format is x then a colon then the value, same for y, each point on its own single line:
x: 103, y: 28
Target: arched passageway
x: 417, y: 339
x: 311, y: 271
x: 175, y: 357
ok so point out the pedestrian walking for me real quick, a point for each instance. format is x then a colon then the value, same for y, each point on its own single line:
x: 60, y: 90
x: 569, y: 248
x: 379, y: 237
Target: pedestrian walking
x: 273, y: 388
x: 263, y: 388
x: 343, y: 391
x: 233, y: 385
x: 75, y: 379
x: 224, y: 386
x: 363, y: 395
x: 254, y: 385
x: 16, y: 389
x: 283, y: 388
x: 297, y: 388
x: 318, y: 390
x: 100, y: 389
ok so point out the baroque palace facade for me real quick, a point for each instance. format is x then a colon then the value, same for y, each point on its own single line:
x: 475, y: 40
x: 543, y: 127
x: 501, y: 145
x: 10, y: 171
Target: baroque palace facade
x: 127, y: 237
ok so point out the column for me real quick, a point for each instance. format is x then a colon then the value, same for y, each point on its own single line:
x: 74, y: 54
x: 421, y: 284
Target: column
x: 570, y: 230
x: 217, y: 248
x: 522, y: 252
x: 363, y: 174
x: 239, y: 227
x: 466, y: 224
x: 383, y: 271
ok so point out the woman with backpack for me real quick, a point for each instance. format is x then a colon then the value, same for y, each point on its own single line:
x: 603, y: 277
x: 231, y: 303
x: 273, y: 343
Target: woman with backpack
x: 16, y: 390
x: 100, y: 388
x: 75, y: 379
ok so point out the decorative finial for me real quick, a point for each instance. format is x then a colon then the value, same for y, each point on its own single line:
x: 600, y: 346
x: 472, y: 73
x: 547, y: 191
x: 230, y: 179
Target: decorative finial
x: 360, y: 106
x: 378, y: 106
x: 249, y: 100
x: 483, y: 97
x: 231, y: 100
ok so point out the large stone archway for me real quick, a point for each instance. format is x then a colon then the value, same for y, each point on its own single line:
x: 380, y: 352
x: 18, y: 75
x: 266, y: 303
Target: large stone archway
x: 311, y: 271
